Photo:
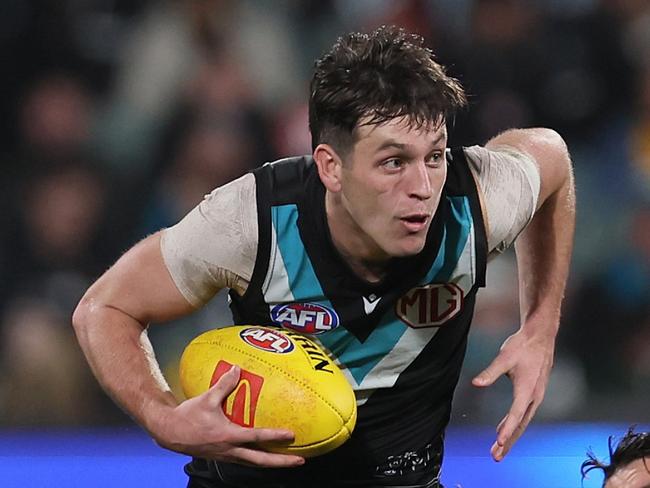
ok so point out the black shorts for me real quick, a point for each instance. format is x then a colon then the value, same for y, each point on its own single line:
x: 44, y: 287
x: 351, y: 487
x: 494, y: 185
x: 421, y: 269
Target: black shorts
x: 198, y: 481
x: 412, y: 469
x: 218, y: 484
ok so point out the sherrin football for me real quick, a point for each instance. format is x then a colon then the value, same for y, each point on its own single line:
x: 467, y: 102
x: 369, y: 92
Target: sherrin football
x: 287, y: 381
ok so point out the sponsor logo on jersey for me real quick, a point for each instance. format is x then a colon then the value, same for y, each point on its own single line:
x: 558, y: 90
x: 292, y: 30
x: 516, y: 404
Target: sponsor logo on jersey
x: 370, y: 303
x: 241, y: 404
x: 431, y: 305
x: 267, y: 340
x: 306, y: 318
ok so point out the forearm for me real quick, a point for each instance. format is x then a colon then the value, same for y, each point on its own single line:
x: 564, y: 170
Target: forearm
x: 543, y: 258
x: 110, y: 323
x: 543, y: 252
x: 120, y: 355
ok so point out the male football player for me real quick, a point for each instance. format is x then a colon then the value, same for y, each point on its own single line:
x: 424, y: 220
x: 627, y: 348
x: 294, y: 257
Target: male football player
x: 385, y: 228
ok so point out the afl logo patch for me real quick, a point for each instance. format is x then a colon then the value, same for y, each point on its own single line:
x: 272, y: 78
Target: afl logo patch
x: 267, y: 340
x: 431, y: 305
x: 306, y: 318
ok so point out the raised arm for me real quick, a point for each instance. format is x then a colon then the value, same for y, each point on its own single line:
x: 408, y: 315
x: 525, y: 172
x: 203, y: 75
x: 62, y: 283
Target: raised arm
x: 110, y: 323
x: 543, y: 253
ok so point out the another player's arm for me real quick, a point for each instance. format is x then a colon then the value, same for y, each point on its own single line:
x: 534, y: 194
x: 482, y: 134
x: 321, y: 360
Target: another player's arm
x: 110, y: 323
x: 543, y: 253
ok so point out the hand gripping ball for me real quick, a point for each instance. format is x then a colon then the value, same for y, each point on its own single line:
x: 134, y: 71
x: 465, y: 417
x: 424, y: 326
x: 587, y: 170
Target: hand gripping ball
x: 287, y: 381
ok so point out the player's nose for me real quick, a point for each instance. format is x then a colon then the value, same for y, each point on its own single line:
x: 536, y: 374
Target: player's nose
x: 419, y: 182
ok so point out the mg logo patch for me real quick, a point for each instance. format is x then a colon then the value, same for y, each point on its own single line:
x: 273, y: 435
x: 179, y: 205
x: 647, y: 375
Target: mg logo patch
x: 306, y: 318
x: 430, y: 305
x: 241, y: 404
x: 267, y: 340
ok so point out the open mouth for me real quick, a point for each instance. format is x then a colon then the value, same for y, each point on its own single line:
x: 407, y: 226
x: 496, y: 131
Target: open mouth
x: 416, y: 222
x: 415, y: 219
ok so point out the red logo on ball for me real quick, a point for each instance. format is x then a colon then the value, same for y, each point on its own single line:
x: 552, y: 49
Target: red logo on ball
x: 241, y: 404
x: 267, y: 340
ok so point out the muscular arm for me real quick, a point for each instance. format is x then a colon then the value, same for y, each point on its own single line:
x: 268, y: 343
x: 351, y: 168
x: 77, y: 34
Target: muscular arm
x: 543, y: 253
x: 110, y: 323
x: 544, y: 248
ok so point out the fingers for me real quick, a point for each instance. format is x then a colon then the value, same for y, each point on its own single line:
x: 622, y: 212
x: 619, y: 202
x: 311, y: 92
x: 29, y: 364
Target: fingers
x: 245, y: 455
x: 503, y: 444
x: 500, y: 426
x: 523, y: 400
x: 223, y: 387
x: 245, y: 435
x: 490, y: 374
x: 240, y: 453
x: 212, y: 435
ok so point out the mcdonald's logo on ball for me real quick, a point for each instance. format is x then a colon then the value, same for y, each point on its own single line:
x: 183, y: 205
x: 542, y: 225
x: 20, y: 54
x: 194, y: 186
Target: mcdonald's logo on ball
x: 287, y: 381
x: 241, y: 404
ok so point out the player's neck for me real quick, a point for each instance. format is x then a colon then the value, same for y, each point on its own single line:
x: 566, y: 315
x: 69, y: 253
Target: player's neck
x: 369, y: 271
x: 363, y: 257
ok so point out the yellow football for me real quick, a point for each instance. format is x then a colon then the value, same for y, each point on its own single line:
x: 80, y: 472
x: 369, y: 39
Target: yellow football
x: 287, y: 381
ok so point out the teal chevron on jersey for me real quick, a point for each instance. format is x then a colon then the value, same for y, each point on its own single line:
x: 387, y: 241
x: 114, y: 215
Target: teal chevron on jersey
x: 302, y: 278
x: 360, y: 358
x: 357, y: 357
x: 454, y: 241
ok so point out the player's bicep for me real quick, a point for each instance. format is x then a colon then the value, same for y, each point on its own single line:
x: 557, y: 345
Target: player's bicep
x: 140, y: 286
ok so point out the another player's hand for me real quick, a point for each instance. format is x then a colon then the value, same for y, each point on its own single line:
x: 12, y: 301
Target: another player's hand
x: 527, y: 360
x: 200, y: 428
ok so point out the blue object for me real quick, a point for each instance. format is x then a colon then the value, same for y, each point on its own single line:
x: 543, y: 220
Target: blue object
x: 545, y: 457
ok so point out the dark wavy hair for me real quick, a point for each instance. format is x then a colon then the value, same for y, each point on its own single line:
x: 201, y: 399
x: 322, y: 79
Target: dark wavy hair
x: 633, y: 446
x: 373, y: 78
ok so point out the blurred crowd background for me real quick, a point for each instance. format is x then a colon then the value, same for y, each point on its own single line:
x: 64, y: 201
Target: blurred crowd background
x: 119, y: 115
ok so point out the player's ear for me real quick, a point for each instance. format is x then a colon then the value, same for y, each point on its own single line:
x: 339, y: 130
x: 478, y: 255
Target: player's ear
x: 329, y: 166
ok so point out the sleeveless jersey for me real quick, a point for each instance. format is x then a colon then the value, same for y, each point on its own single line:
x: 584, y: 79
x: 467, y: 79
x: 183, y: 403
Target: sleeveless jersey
x: 400, y: 342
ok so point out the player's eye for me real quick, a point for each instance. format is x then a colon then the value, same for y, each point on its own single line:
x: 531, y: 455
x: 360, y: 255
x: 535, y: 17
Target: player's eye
x: 393, y: 163
x: 436, y: 158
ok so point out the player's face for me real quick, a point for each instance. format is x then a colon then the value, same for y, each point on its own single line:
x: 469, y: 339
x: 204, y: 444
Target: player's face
x: 633, y: 475
x: 391, y: 183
